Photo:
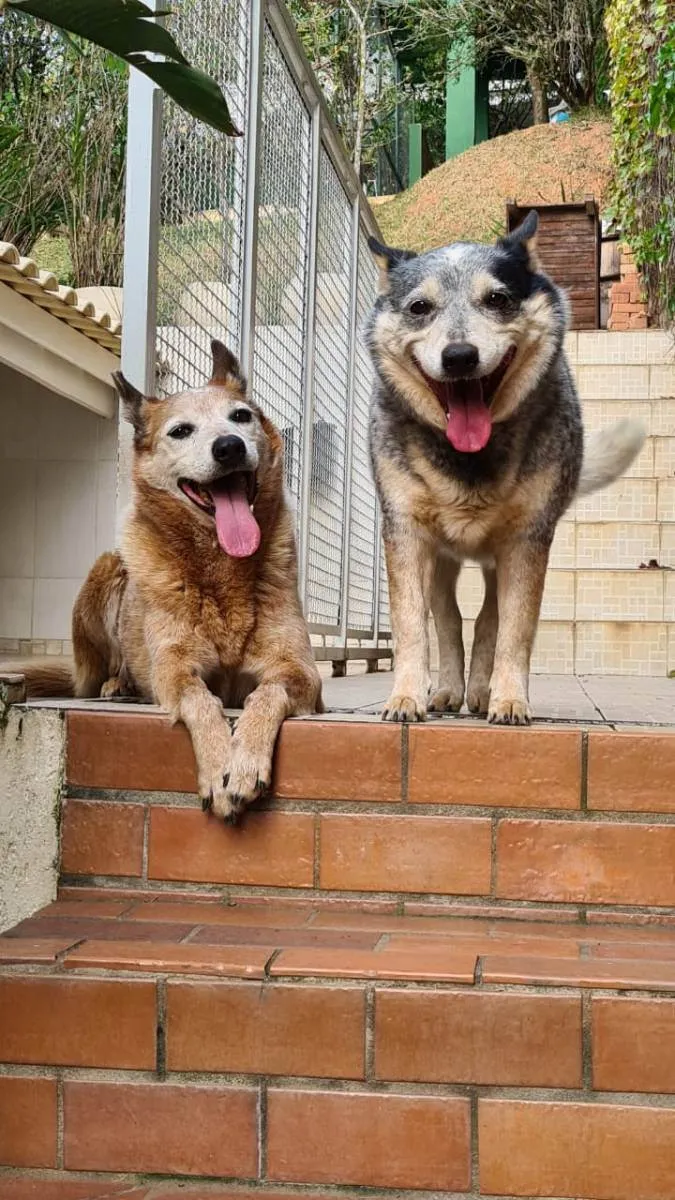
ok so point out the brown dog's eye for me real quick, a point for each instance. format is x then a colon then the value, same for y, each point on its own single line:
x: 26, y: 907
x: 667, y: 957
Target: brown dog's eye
x: 420, y: 308
x: 181, y: 431
x: 498, y: 301
x: 241, y: 416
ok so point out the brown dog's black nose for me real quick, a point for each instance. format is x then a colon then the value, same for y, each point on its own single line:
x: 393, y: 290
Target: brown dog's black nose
x: 229, y: 451
x: 459, y: 358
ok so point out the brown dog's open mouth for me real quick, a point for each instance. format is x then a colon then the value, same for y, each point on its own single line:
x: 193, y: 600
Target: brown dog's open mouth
x: 229, y: 500
x: 466, y: 403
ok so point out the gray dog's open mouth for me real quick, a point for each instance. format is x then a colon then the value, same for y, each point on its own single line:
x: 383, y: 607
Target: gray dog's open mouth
x: 229, y: 500
x: 466, y: 403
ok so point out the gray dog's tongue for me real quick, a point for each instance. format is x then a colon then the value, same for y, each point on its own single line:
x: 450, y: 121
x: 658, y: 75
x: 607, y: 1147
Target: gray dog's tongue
x: 469, y: 422
x: 237, y: 529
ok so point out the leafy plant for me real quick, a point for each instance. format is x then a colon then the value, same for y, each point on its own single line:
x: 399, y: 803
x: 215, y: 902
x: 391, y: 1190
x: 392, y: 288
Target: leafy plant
x: 642, y: 47
x: 125, y: 28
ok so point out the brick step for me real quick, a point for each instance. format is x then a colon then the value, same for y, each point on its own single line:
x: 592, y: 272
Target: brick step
x: 286, y: 1046
x: 445, y: 812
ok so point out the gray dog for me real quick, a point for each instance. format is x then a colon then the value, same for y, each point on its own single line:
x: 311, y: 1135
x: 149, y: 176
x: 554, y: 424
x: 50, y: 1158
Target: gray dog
x: 478, y: 449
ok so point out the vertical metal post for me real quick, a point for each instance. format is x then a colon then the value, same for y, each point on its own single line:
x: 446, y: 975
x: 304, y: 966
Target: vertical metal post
x: 252, y: 133
x: 349, y: 429
x: 141, y: 240
x: 377, y: 555
x: 308, y: 388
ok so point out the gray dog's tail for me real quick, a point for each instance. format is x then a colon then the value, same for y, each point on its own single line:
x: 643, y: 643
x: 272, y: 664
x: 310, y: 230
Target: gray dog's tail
x: 608, y: 453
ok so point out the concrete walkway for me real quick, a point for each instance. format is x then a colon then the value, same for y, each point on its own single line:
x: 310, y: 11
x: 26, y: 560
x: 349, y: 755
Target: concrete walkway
x: 632, y: 700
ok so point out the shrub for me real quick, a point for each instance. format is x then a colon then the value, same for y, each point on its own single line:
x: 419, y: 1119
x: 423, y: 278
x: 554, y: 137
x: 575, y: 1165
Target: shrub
x: 642, y: 47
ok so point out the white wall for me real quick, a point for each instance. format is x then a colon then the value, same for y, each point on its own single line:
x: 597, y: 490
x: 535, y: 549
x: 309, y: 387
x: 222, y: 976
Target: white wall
x: 58, y: 465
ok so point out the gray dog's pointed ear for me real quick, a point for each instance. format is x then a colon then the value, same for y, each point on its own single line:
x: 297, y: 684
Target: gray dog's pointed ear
x: 226, y: 367
x: 133, y: 404
x: 386, y: 258
x: 524, y: 239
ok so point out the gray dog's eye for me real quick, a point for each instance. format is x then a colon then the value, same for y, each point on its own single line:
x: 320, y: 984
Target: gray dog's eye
x: 420, y: 308
x: 241, y: 416
x: 498, y: 301
x: 181, y: 431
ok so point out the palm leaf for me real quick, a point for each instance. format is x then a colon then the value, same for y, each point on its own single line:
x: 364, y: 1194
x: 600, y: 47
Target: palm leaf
x: 126, y: 28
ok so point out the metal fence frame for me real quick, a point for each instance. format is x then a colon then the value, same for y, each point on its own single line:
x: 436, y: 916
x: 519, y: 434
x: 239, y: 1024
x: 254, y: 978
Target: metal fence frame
x: 342, y: 638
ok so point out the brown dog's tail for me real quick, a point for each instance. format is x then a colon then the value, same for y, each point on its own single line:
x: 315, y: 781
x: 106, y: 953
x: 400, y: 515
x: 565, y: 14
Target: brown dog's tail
x: 46, y: 678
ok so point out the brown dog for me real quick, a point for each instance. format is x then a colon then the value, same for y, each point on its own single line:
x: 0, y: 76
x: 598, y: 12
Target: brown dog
x: 200, y: 607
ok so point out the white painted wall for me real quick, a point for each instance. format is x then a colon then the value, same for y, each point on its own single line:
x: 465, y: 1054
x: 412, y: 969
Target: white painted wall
x: 58, y: 468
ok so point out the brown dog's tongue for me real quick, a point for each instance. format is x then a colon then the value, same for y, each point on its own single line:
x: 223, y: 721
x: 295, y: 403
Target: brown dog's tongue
x: 469, y: 422
x: 237, y: 529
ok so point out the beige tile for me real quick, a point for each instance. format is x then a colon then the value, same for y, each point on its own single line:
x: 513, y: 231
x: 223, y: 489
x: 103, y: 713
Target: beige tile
x: 659, y: 346
x: 664, y: 457
x: 53, y: 606
x: 572, y: 347
x: 669, y: 599
x: 666, y: 555
x: 662, y: 381
x: 66, y: 519
x: 636, y: 347
x: 613, y: 382
x: 601, y: 414
x: 671, y: 650
x: 470, y: 591
x: 604, y: 347
x: 554, y: 648
x: 666, y: 500
x: 619, y: 595
x: 106, y: 500
x: 17, y: 518
x: 627, y: 500
x: 663, y: 418
x: 67, y: 432
x: 563, y: 548
x: 616, y: 544
x: 16, y: 598
x: 558, y: 601
x: 620, y: 648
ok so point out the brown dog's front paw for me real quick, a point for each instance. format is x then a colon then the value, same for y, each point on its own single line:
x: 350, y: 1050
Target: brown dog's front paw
x: 248, y: 778
x: 404, y: 708
x: 509, y: 712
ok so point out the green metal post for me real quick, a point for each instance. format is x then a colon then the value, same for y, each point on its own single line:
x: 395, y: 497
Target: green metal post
x: 414, y: 153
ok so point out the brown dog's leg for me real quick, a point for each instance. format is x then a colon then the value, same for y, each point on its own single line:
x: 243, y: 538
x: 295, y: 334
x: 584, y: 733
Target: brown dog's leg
x: 286, y: 689
x: 410, y: 565
x: 449, y: 696
x: 521, y: 571
x: 483, y: 650
x: 178, y: 686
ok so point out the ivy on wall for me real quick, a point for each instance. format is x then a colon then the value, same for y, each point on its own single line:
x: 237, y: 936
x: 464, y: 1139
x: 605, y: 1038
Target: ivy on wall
x: 641, y: 37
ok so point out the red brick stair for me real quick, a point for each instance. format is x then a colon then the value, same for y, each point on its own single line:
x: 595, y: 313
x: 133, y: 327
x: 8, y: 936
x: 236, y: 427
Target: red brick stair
x: 439, y: 960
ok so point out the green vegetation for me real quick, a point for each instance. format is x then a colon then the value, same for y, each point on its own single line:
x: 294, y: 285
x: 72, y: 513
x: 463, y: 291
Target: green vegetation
x: 122, y: 28
x: 642, y: 46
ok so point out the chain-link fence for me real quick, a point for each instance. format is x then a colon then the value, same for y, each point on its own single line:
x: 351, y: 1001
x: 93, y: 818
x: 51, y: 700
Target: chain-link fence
x: 261, y: 241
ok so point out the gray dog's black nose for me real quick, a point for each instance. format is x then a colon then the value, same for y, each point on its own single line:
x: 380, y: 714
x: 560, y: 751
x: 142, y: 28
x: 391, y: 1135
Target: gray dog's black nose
x: 459, y: 358
x: 229, y: 451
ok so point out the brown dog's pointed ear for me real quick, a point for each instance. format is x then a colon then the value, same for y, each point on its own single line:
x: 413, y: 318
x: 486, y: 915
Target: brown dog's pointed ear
x: 386, y: 258
x: 524, y: 240
x: 133, y: 404
x: 226, y: 367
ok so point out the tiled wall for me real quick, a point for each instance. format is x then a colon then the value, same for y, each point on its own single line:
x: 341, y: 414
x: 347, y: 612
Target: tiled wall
x: 58, y: 467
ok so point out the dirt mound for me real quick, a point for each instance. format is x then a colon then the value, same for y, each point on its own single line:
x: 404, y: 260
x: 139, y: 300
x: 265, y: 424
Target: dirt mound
x: 465, y: 199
